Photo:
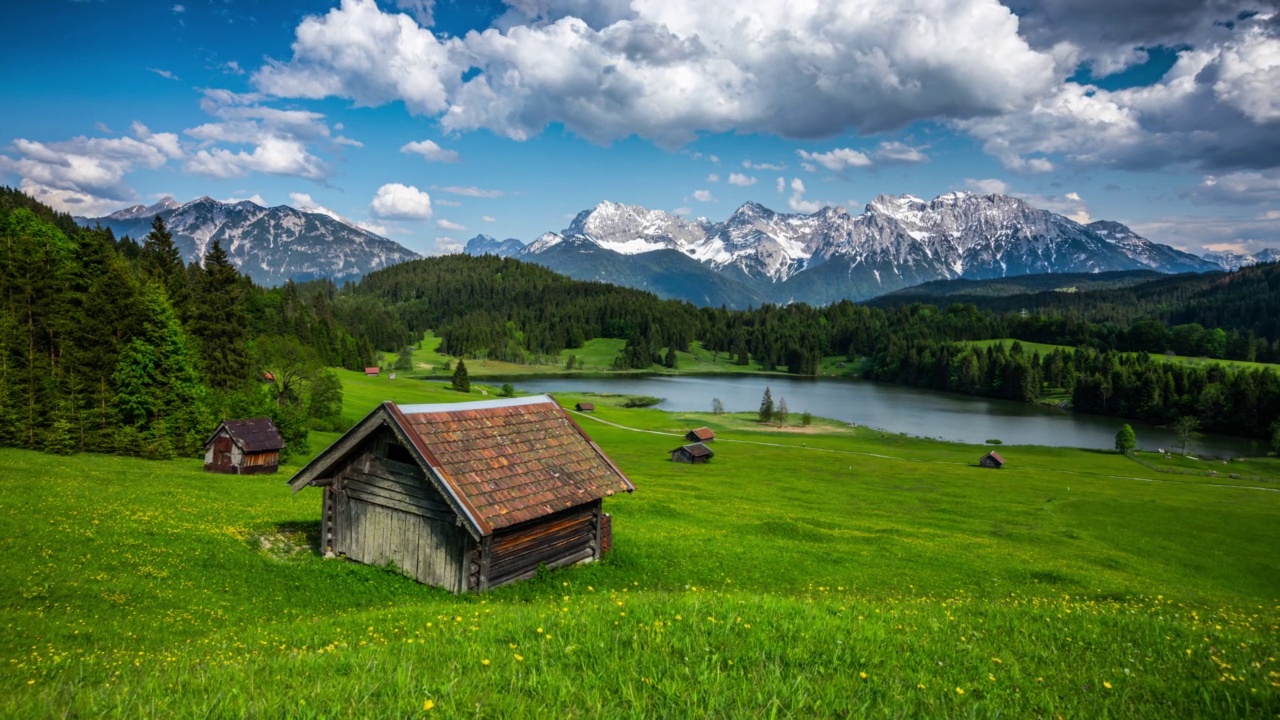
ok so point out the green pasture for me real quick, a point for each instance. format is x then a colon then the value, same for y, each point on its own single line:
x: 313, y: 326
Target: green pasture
x: 821, y: 571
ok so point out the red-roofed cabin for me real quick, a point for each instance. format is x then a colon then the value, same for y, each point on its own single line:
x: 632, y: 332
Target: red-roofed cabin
x: 372, y: 371
x: 243, y: 447
x: 700, y: 435
x: 465, y: 496
x: 992, y: 460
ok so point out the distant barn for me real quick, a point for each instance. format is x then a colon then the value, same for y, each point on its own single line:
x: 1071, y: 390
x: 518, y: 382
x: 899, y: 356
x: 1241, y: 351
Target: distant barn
x: 585, y: 407
x: 372, y: 371
x: 466, y: 496
x: 700, y: 435
x: 992, y: 460
x: 696, y: 454
x: 243, y: 447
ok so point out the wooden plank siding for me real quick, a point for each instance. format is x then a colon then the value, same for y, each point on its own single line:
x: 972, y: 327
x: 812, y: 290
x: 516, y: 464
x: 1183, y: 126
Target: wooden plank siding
x: 564, y: 538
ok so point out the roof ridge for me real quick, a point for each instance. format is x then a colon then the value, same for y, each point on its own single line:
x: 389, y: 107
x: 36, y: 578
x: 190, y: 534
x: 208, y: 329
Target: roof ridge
x: 475, y: 405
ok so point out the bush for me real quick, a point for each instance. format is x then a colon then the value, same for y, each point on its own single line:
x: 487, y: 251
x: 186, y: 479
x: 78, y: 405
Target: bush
x: 994, y: 441
x: 640, y: 401
x: 508, y: 390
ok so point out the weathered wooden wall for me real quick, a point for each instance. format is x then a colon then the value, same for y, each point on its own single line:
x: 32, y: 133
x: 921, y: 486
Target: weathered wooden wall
x: 557, y: 540
x: 381, y: 510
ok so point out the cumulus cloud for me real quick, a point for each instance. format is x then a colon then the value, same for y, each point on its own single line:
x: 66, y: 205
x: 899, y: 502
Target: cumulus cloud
x: 304, y: 202
x: 395, y: 201
x: 1241, y: 188
x: 231, y: 67
x: 1069, y: 205
x: 488, y: 218
x: 987, y: 186
x: 430, y: 151
x: 837, y: 160
x: 703, y: 196
x: 898, y: 152
x: 273, y: 141
x: 1217, y: 108
x: 255, y: 198
x: 797, y: 201
x: 714, y: 178
x: 1198, y: 233
x: 445, y: 246
x: 668, y: 70
x: 741, y: 180
x: 781, y: 184
x: 85, y: 176
x: 449, y: 225
x: 424, y: 11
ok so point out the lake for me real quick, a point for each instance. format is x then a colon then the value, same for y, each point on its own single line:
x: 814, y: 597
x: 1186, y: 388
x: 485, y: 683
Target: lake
x: 894, y: 408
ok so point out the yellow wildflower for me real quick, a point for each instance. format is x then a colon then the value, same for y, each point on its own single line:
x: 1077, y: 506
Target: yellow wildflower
x: 519, y: 657
x: 428, y: 704
x: 1106, y: 684
x: 862, y: 675
x: 959, y: 691
x: 484, y: 661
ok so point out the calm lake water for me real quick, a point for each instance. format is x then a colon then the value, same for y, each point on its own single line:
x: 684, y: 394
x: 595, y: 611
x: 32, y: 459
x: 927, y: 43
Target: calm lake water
x: 893, y: 408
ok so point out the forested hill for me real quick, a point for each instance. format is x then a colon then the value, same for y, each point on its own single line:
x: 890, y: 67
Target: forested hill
x: 1245, y: 301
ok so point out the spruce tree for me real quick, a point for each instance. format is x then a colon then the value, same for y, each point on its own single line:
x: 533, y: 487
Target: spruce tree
x: 160, y: 261
x: 781, y: 413
x: 461, y: 382
x: 766, y: 406
x: 221, y: 322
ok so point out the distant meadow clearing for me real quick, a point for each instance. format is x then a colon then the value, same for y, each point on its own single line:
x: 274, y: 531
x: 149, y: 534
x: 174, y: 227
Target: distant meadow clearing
x: 836, y: 572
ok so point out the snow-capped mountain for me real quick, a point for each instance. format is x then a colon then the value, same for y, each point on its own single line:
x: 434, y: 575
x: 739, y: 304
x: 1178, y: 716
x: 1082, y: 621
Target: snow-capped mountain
x: 898, y: 241
x: 1234, y: 261
x: 270, y: 245
x: 486, y: 245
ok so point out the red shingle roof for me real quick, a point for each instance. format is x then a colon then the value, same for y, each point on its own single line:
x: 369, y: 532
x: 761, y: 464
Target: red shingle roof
x: 701, y: 434
x: 512, y: 460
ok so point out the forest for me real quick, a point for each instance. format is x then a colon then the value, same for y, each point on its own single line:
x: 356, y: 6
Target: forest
x: 116, y: 345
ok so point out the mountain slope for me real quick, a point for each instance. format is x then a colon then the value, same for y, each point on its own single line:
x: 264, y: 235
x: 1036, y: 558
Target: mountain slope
x: 897, y: 242
x: 486, y: 245
x: 270, y: 245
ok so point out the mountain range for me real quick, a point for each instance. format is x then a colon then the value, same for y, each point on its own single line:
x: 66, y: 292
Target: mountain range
x: 1235, y: 261
x: 758, y: 255
x: 270, y: 245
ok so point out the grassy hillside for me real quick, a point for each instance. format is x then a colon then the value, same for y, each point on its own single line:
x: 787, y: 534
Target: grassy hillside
x: 1044, y: 348
x: 822, y: 571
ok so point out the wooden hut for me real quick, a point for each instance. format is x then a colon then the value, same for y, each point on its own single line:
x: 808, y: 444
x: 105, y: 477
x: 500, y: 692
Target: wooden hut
x: 585, y: 407
x: 992, y: 460
x: 372, y: 371
x: 465, y: 496
x: 700, y: 435
x: 243, y: 447
x: 697, y: 454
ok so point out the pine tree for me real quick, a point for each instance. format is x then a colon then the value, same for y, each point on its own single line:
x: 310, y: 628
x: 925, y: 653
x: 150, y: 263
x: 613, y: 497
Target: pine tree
x: 670, y: 359
x: 1126, y: 439
x: 766, y: 406
x: 221, y: 322
x: 161, y: 261
x: 717, y: 407
x: 461, y: 382
x: 781, y: 413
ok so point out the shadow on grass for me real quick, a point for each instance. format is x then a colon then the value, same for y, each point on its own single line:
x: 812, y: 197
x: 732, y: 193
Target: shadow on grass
x: 287, y: 539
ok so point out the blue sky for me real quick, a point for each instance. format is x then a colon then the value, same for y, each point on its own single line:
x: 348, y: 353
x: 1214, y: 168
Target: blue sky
x: 430, y: 122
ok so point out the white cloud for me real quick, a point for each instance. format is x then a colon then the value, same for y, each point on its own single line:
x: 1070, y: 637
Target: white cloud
x: 255, y: 198
x: 395, y: 201
x: 682, y: 211
x: 703, y: 196
x: 781, y: 184
x: 449, y: 225
x: 232, y: 67
x: 446, y: 246
x: 668, y: 70
x: 85, y: 176
x: 422, y: 10
x: 1198, y: 232
x: 277, y: 140
x: 988, y: 186
x: 432, y: 152
x: 836, y: 160
x: 1217, y: 108
x: 446, y: 202
x: 713, y: 178
x: 894, y: 151
x: 763, y: 166
x: 167, y: 75
x: 179, y: 9
x: 488, y: 218
x: 469, y: 191
x: 797, y: 202
x: 741, y: 180
x: 715, y: 159
x: 304, y: 202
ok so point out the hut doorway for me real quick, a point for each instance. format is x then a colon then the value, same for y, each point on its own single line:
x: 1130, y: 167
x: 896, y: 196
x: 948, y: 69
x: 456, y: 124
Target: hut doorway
x: 222, y: 453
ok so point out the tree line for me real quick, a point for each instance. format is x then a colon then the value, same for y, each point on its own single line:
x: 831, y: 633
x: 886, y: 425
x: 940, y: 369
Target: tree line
x: 115, y: 345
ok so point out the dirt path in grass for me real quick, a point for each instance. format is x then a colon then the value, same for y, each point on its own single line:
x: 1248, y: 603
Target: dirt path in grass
x: 916, y: 460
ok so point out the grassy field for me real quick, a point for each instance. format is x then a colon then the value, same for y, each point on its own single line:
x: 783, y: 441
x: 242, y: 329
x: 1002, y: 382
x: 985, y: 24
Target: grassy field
x: 593, y: 358
x: 1045, y: 349
x: 820, y: 571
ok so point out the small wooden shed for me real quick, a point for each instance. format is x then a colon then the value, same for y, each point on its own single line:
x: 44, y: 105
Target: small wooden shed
x: 585, y: 407
x: 697, y: 454
x: 700, y: 435
x: 465, y: 496
x: 243, y: 447
x: 992, y: 460
x: 372, y: 371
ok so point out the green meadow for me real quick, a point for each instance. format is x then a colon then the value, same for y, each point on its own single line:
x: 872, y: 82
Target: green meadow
x: 805, y: 572
x: 1045, y: 349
